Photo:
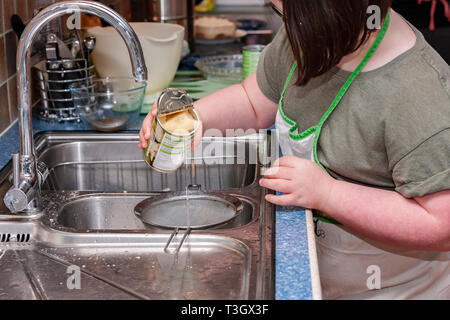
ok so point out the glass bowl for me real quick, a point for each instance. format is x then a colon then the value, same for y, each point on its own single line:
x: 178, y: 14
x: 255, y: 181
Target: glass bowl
x: 109, y: 104
x: 223, y: 68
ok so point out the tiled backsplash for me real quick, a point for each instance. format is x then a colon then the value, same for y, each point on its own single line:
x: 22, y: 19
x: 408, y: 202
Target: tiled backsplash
x: 8, y: 48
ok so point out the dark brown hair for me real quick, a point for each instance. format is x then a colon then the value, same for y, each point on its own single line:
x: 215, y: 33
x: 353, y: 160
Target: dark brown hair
x: 322, y: 32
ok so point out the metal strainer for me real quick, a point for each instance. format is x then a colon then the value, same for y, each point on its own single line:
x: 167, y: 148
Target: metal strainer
x: 206, y: 210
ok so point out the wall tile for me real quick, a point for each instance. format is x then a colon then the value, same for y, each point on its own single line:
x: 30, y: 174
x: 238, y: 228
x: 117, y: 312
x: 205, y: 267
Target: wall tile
x: 8, y: 48
x: 3, y: 70
x: 1, y: 16
x: 9, y: 8
x: 19, y: 7
x: 4, y: 111
x: 11, y: 50
x: 12, y: 94
x: 32, y: 4
x: 22, y: 8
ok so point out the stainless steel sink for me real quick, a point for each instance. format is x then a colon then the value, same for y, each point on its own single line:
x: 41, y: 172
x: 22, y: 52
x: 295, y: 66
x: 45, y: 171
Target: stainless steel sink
x: 116, y: 212
x: 92, y: 162
x: 89, y: 222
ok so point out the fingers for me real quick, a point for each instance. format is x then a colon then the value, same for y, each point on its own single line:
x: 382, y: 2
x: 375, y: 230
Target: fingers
x: 279, y: 173
x: 141, y: 140
x: 282, y: 168
x: 148, y: 123
x: 197, y: 138
x: 145, y: 133
x: 154, y: 109
x: 279, y: 185
x: 283, y: 200
x: 288, y: 161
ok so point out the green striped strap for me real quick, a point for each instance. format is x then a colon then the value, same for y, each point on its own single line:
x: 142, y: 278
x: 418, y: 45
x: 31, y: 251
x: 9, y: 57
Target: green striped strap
x: 348, y: 83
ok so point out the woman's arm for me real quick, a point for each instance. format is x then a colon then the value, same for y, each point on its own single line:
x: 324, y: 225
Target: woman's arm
x: 241, y: 106
x: 385, y: 216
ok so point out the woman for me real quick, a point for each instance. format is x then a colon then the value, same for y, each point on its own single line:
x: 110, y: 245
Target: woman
x: 363, y: 116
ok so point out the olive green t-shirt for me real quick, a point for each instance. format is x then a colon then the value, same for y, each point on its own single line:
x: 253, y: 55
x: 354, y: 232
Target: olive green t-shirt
x: 392, y: 128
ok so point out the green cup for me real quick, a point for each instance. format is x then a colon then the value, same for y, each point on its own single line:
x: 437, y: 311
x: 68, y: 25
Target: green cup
x: 250, y: 59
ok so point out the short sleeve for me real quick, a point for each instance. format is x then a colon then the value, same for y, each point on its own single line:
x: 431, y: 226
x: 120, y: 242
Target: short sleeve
x: 271, y: 72
x: 426, y: 169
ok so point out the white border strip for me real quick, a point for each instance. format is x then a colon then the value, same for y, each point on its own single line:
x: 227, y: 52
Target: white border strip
x: 313, y: 261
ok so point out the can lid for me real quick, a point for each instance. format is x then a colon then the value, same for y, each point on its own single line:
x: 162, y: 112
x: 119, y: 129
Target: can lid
x: 174, y: 100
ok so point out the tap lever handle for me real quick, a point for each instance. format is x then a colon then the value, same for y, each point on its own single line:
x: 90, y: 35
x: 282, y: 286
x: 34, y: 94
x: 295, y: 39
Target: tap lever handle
x: 43, y: 172
x: 16, y: 169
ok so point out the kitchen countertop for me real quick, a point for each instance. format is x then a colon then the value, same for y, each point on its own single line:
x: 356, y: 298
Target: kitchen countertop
x: 296, y: 277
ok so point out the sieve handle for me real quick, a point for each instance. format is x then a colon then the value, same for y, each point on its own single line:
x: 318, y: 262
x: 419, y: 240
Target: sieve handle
x: 172, y: 236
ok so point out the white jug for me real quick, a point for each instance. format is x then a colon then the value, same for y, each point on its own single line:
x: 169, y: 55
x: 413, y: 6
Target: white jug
x: 162, y: 44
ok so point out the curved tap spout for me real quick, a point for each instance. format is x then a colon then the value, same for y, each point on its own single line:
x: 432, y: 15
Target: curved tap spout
x: 25, y: 194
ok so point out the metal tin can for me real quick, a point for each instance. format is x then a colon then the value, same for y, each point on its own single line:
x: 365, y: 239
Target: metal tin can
x: 250, y: 59
x: 167, y: 151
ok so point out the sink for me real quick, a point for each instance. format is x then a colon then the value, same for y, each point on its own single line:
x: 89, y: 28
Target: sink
x: 126, y: 267
x: 94, y: 183
x: 99, y: 163
x: 116, y: 212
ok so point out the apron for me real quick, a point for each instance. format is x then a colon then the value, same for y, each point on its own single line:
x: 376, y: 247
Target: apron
x: 353, y: 267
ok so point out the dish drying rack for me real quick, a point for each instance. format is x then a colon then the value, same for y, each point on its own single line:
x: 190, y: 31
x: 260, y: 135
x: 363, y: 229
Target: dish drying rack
x: 66, y: 63
x: 54, y: 87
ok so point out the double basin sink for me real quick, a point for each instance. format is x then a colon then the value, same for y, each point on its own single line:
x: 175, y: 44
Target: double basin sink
x: 88, y: 225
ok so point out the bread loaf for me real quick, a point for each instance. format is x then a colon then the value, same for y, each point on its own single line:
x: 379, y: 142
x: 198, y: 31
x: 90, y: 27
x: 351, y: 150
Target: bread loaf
x: 214, y: 28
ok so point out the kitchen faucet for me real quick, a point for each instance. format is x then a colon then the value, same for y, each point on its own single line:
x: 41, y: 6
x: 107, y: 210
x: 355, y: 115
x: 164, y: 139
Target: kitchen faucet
x: 28, y: 174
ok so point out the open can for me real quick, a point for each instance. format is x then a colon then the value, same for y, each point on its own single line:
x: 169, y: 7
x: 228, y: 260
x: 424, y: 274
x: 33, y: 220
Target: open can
x: 167, y: 150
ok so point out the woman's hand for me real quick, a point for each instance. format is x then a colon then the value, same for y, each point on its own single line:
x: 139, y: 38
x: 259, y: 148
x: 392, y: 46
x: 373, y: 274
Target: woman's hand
x: 303, y: 183
x: 146, y: 130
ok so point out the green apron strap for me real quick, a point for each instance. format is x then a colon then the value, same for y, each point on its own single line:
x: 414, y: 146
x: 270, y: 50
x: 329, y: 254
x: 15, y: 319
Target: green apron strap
x: 280, y: 104
x: 349, y: 82
x: 289, y: 78
x: 341, y: 94
x: 338, y: 98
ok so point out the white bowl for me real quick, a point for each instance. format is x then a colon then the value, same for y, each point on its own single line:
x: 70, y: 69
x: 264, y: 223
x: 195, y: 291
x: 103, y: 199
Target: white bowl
x: 162, y: 44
